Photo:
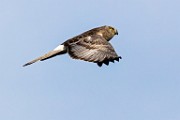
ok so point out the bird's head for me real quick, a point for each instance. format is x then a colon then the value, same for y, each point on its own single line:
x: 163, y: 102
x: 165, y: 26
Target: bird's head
x: 112, y: 30
x: 109, y: 32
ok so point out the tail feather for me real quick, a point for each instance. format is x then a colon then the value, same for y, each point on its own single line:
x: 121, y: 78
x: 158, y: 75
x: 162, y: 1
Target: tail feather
x: 47, y: 56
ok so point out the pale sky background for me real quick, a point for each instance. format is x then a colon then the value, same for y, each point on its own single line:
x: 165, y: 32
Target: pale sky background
x: 144, y: 85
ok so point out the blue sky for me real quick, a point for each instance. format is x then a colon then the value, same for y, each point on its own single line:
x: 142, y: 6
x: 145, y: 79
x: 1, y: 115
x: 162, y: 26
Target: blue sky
x: 144, y: 85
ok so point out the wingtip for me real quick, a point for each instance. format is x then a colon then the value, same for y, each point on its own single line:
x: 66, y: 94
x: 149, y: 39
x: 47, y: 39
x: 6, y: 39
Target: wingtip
x: 99, y: 64
x: 106, y: 62
x: 117, y: 59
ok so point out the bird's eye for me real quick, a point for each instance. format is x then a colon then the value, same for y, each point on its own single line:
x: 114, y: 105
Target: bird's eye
x: 111, y: 28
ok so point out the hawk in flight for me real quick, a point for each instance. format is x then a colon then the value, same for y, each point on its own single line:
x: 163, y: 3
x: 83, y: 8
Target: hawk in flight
x: 91, y: 46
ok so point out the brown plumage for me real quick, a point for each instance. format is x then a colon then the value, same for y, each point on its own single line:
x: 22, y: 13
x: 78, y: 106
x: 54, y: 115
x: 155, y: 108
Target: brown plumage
x: 91, y: 46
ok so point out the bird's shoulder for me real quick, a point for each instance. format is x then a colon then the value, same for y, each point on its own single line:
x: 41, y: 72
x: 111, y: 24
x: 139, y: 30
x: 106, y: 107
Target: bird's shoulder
x: 91, y: 36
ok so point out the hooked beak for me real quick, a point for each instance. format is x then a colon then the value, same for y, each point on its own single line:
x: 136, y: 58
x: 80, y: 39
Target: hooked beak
x: 116, y: 33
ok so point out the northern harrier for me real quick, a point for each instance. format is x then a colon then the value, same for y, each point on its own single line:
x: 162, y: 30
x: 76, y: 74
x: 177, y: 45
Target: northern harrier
x: 91, y: 46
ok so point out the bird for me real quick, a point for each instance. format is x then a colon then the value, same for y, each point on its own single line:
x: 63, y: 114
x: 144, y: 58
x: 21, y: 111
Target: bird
x: 91, y: 46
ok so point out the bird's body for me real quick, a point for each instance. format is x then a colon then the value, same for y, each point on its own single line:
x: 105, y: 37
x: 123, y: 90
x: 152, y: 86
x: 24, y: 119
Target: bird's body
x: 91, y: 46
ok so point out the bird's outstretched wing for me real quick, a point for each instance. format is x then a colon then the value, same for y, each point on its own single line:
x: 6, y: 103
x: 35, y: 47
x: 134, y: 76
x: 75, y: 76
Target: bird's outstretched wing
x: 93, y: 48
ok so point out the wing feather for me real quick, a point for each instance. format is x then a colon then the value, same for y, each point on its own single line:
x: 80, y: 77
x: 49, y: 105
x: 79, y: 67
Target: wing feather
x: 93, y: 49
